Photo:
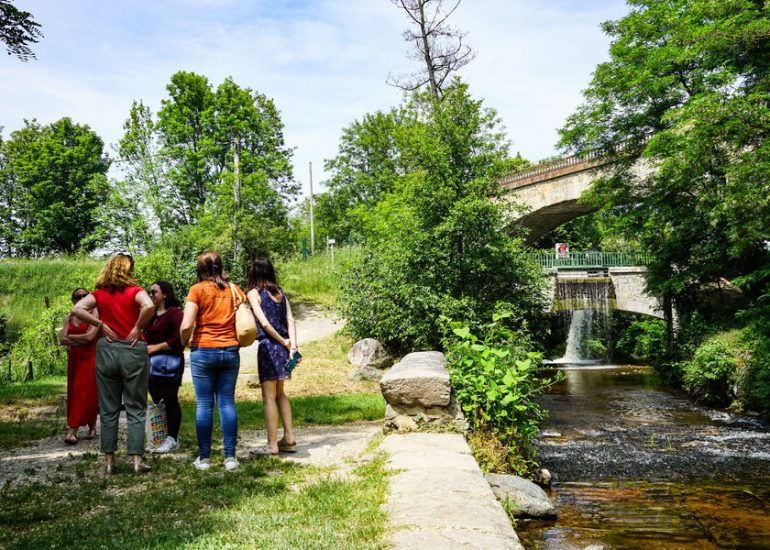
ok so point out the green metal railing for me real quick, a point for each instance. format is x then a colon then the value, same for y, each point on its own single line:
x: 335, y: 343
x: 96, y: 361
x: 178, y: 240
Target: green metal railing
x: 590, y: 259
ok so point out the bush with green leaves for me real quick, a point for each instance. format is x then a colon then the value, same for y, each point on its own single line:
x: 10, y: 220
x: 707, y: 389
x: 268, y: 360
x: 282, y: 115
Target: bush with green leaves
x: 712, y: 372
x: 38, y: 345
x: 495, y: 378
x: 643, y: 340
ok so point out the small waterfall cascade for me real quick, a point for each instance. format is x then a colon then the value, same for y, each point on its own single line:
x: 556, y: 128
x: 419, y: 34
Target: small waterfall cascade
x: 585, y: 303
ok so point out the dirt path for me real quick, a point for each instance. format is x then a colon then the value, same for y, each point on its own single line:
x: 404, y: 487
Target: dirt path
x: 336, y: 447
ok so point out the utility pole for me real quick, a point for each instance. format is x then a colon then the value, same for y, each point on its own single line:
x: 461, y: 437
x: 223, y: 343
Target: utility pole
x: 236, y: 195
x: 312, y: 225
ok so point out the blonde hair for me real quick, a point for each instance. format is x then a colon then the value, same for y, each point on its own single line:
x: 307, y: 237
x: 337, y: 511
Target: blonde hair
x: 117, y: 274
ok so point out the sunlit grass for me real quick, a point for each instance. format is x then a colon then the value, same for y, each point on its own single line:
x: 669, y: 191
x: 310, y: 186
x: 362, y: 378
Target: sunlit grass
x: 314, y: 281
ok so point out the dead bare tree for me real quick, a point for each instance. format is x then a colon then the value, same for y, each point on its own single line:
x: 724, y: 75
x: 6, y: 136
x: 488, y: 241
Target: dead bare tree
x: 436, y: 44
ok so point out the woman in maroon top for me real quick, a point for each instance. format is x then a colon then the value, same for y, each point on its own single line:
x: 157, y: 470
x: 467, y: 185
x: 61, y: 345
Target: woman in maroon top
x: 162, y: 336
x: 121, y: 356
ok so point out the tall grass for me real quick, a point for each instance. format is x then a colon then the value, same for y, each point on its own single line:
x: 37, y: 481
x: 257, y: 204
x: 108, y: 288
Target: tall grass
x: 24, y: 284
x: 314, y: 281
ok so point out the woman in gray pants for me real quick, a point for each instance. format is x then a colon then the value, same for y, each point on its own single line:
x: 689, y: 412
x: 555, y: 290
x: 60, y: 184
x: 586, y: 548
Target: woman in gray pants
x: 121, y: 356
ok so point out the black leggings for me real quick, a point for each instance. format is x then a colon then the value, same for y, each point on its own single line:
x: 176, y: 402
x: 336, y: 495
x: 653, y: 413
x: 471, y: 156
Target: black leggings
x: 168, y: 392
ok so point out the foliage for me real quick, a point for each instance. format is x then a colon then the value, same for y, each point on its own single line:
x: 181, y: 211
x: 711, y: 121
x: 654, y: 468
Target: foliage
x: 711, y: 373
x: 754, y: 379
x: 642, y: 339
x: 18, y: 29
x: 183, y: 163
x: 686, y: 89
x: 495, y: 379
x: 439, y: 244
x: 52, y: 183
x: 38, y: 344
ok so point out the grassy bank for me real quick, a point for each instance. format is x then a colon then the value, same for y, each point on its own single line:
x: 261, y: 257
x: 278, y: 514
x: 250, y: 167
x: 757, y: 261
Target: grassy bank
x: 24, y: 284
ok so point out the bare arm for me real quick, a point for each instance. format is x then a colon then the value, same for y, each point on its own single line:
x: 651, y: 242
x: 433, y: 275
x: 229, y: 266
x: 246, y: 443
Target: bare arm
x: 84, y: 310
x: 292, y: 327
x: 188, y: 322
x: 142, y: 299
x: 256, y: 308
x: 87, y: 337
x: 64, y: 336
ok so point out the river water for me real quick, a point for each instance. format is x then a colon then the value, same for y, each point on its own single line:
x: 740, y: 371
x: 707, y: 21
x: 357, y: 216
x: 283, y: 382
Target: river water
x: 637, y: 465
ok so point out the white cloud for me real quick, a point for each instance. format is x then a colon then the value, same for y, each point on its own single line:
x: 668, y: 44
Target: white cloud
x: 324, y: 62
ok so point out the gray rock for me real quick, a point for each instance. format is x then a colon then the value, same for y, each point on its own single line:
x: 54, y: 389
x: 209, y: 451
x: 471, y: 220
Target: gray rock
x: 40, y: 412
x: 529, y: 499
x: 365, y: 373
x: 543, y: 477
x: 369, y: 353
x: 420, y: 379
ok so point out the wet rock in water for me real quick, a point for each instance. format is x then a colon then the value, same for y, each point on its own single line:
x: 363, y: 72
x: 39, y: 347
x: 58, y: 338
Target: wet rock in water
x: 369, y: 353
x: 543, y: 477
x: 530, y: 501
x: 595, y: 547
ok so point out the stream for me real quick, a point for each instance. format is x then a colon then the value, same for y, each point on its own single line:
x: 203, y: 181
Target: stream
x: 637, y: 465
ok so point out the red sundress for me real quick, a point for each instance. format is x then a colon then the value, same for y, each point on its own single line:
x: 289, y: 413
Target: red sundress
x: 82, y: 400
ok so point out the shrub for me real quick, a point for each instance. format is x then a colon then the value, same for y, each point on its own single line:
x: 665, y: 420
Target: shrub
x: 712, y: 372
x: 495, y: 379
x: 643, y: 340
x: 38, y: 344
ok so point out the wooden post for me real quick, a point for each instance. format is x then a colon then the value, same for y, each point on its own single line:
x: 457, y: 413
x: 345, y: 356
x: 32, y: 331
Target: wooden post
x: 312, y: 226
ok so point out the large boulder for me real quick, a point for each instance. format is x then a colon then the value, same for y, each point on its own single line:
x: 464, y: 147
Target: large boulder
x: 530, y: 501
x: 369, y: 353
x: 421, y: 379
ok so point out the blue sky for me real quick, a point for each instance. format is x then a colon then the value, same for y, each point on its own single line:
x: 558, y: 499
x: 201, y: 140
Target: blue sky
x: 324, y: 62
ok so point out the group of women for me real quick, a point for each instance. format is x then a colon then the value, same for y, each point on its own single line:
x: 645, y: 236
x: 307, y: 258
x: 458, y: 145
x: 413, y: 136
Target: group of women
x: 115, y: 331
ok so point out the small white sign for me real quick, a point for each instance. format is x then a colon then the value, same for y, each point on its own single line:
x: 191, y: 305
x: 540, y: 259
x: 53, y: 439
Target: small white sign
x: 331, y: 241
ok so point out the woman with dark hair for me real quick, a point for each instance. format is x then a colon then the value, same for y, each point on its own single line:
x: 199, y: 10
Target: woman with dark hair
x: 82, y: 400
x: 164, y: 345
x: 208, y: 327
x: 121, y: 356
x: 277, y: 343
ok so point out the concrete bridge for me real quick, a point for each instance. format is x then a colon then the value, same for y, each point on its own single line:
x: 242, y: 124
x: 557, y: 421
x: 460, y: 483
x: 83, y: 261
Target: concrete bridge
x: 551, y: 191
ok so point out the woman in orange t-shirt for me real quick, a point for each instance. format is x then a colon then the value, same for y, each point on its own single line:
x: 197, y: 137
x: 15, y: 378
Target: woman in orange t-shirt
x: 208, y: 327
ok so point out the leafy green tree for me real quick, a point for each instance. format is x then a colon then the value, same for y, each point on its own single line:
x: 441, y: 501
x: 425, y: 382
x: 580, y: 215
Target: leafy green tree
x: 186, y: 162
x: 53, y: 183
x: 440, y: 245
x: 687, y: 90
x: 18, y: 29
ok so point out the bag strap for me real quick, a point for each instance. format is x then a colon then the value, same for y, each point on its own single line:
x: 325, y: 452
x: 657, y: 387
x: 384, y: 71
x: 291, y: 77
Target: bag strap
x: 232, y: 291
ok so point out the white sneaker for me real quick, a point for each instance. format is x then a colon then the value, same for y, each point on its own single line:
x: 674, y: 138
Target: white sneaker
x: 231, y: 463
x: 167, y: 446
x: 201, y: 463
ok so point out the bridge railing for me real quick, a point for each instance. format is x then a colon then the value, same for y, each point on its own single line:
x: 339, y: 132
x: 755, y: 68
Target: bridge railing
x: 590, y: 259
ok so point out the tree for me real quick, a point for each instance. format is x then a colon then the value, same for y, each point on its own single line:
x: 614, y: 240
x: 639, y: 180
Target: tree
x: 436, y: 44
x: 440, y: 245
x: 687, y: 89
x: 18, y: 29
x: 54, y: 181
x: 184, y: 161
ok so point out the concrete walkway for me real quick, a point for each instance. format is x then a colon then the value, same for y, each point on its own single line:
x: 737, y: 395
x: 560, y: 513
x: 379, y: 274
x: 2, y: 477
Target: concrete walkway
x: 439, y: 498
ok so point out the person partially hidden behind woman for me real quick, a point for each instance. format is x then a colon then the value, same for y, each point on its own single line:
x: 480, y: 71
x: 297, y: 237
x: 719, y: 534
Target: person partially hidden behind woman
x: 121, y: 356
x: 166, y: 358
x: 82, y: 400
x: 277, y: 342
x: 208, y: 326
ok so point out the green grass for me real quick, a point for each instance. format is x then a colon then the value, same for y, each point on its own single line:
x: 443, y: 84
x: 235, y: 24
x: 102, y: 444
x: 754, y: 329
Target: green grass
x: 16, y: 429
x: 314, y: 281
x: 267, y: 503
x: 24, y: 284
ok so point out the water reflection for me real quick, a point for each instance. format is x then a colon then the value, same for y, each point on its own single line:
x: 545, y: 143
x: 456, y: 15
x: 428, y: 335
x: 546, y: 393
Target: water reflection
x: 637, y: 465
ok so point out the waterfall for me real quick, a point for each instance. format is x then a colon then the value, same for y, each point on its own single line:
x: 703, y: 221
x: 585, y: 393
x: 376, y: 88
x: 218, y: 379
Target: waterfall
x: 586, y: 302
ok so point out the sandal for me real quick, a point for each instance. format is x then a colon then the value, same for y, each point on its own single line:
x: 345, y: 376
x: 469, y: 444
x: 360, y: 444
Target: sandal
x: 286, y: 447
x: 91, y: 434
x: 71, y: 439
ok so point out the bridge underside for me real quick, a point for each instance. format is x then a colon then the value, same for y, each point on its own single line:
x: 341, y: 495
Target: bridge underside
x: 544, y: 220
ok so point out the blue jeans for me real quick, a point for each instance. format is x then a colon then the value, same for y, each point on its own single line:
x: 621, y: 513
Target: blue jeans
x: 214, y: 373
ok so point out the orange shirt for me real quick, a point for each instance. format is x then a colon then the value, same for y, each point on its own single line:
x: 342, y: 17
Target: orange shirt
x: 215, y: 323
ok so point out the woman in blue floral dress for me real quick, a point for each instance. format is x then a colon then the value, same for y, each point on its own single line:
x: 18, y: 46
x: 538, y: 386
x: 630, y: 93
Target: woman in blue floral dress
x: 277, y: 343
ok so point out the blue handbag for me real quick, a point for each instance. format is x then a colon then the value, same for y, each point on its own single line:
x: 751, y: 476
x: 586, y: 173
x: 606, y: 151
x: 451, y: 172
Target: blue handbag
x: 165, y: 367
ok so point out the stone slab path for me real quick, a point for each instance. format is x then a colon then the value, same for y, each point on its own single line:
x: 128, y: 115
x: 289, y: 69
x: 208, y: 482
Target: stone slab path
x: 439, y: 499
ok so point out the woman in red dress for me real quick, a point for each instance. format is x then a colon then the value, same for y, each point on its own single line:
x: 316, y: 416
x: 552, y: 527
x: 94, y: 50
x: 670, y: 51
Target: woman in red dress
x: 82, y: 401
